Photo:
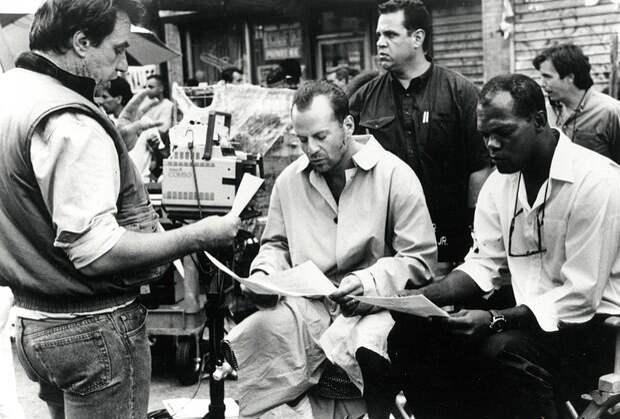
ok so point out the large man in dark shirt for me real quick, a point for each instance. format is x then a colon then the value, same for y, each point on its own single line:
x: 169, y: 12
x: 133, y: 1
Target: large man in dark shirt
x: 426, y: 115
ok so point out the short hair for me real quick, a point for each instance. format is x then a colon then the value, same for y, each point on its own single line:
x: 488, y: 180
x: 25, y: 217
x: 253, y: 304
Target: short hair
x: 309, y: 90
x: 227, y: 74
x: 416, y: 16
x: 120, y: 87
x: 288, y: 70
x: 56, y: 21
x: 567, y: 59
x: 526, y: 94
x: 157, y: 77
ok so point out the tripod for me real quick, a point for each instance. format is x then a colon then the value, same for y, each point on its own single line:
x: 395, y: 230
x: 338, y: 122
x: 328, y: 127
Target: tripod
x: 216, y: 311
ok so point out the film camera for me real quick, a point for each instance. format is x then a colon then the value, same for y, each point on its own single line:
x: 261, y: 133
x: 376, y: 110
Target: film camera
x: 203, y: 171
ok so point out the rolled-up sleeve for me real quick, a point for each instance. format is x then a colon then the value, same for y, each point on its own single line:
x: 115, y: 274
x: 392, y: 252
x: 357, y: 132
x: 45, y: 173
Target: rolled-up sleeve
x: 77, y: 169
x: 487, y: 255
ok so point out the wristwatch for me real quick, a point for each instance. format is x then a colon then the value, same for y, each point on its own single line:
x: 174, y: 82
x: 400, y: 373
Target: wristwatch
x: 498, y: 323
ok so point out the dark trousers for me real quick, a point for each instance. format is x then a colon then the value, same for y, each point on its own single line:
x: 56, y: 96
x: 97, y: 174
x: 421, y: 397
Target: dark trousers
x: 379, y: 387
x: 513, y: 374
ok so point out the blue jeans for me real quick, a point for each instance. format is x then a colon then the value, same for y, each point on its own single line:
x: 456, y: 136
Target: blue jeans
x: 95, y: 367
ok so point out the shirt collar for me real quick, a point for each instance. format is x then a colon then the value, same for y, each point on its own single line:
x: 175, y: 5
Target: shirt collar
x: 562, y: 160
x: 416, y: 84
x: 365, y: 159
x: 84, y: 86
x: 368, y: 156
x: 580, y: 106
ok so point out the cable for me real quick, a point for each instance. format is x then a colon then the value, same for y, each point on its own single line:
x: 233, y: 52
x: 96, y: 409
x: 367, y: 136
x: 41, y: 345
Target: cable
x: 191, y: 153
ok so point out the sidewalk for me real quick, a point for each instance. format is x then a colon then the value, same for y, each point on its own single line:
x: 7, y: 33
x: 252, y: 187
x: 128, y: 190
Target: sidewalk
x: 164, y: 385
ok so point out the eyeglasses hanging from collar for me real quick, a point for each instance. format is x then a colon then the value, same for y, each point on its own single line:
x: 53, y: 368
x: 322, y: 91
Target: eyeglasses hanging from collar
x: 540, y: 220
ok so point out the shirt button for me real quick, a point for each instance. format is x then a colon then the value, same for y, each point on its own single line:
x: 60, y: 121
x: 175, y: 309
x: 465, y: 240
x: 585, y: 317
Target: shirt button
x: 409, y: 132
x: 336, y: 220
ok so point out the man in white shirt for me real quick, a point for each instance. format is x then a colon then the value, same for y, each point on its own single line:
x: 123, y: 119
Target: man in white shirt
x: 550, y: 215
x: 150, y: 149
x: 155, y: 106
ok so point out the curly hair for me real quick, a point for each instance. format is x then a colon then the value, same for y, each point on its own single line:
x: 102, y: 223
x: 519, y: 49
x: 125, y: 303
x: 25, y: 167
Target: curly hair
x: 56, y: 21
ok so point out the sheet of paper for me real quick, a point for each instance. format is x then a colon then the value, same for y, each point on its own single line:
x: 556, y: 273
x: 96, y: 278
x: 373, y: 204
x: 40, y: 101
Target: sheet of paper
x: 177, y: 263
x: 247, y: 189
x: 305, y: 280
x: 417, y: 305
x: 186, y: 408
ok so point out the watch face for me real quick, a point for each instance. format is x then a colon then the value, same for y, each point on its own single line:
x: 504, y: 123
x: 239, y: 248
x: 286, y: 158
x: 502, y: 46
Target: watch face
x: 498, y: 323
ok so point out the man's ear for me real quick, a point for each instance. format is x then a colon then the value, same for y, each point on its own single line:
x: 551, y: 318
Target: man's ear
x: 80, y: 43
x: 418, y: 36
x: 349, y: 124
x: 540, y: 120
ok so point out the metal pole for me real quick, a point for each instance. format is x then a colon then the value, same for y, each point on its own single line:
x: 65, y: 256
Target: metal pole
x: 215, y: 311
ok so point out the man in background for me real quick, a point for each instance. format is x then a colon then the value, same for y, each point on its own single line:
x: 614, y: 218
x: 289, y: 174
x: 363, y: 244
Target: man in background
x: 151, y: 148
x: 287, y: 74
x: 114, y: 98
x: 198, y: 79
x: 588, y: 117
x: 155, y: 106
x: 232, y: 75
x: 426, y: 115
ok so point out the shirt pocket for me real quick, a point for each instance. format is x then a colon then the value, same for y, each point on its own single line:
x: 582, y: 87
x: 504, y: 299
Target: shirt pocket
x: 444, y: 138
x: 383, y: 130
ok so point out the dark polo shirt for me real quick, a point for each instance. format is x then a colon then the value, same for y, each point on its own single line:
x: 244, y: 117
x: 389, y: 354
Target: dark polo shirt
x: 431, y: 125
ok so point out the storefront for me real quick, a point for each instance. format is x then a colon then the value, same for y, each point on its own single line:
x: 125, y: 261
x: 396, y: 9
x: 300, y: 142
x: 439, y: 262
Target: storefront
x: 319, y: 36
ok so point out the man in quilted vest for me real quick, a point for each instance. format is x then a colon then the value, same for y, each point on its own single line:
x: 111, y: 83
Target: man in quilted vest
x: 79, y: 235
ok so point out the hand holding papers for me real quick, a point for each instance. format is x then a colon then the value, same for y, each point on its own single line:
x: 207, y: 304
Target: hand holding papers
x: 305, y: 280
x: 418, y: 305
